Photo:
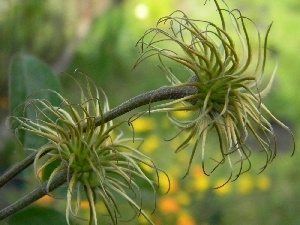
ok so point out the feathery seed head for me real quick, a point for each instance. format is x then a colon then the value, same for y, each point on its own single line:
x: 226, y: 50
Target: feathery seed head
x: 102, y: 165
x: 227, y: 66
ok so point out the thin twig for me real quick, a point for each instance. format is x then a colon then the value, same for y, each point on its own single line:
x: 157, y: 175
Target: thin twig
x: 36, y: 194
x: 18, y: 168
x: 166, y: 93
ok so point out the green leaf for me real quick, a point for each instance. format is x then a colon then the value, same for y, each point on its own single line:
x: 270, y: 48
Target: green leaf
x: 37, y: 215
x: 30, y: 77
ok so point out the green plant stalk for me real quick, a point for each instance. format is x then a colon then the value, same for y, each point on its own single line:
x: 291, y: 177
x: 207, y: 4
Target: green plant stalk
x: 16, y: 169
x: 161, y: 94
x: 36, y: 194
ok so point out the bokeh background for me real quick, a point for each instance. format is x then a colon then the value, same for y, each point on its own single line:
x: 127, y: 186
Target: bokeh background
x: 98, y: 38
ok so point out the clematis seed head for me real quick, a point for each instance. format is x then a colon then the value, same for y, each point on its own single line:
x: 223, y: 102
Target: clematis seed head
x: 226, y: 64
x: 102, y: 165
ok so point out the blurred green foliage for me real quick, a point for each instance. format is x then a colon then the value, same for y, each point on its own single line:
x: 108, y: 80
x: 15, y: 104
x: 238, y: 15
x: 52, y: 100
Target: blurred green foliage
x: 38, y: 215
x: 30, y: 78
x: 107, y: 54
x: 34, y: 27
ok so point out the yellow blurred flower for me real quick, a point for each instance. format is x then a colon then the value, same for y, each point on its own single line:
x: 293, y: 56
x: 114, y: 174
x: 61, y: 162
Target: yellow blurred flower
x: 201, y: 184
x: 142, y: 219
x: 168, y: 205
x: 263, y: 183
x: 84, y: 204
x: 245, y: 184
x: 151, y: 143
x: 185, y: 219
x: 168, y: 183
x: 143, y: 124
x: 183, y: 198
x: 197, y: 172
x: 181, y: 114
x: 223, y: 187
x: 201, y: 181
x: 46, y: 200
